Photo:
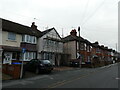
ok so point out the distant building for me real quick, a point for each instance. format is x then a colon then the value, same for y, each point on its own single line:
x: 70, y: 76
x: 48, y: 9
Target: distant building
x: 90, y: 53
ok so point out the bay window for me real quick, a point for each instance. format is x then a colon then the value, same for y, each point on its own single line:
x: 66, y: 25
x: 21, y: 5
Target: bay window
x: 27, y: 56
x: 29, y: 39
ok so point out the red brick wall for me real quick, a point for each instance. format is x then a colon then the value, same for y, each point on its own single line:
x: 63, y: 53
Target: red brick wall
x: 13, y: 70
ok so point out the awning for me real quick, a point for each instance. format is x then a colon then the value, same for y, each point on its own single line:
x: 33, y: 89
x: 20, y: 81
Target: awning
x: 11, y: 48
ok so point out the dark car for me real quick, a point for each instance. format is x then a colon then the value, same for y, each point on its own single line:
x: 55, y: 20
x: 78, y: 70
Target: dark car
x: 37, y: 66
x: 74, y: 64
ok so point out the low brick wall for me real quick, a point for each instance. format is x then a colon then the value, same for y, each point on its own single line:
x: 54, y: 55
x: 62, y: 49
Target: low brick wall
x: 12, y: 70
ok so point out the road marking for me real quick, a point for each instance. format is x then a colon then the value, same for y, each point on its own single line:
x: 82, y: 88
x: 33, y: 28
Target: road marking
x: 68, y: 81
x: 56, y: 83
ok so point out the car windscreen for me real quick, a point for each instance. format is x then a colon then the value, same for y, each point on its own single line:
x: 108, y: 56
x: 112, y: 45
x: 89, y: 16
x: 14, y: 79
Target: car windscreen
x: 45, y: 61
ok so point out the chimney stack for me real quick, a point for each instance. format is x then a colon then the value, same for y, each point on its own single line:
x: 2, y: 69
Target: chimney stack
x: 33, y: 25
x: 96, y: 42
x: 102, y: 46
x: 106, y: 47
x: 73, y: 32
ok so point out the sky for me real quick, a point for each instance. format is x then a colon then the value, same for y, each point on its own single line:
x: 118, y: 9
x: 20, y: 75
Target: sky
x: 98, y: 19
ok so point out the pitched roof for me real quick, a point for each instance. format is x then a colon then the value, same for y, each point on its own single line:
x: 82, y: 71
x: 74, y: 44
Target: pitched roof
x: 18, y: 28
x: 48, y: 30
x: 95, y: 45
x: 88, y: 42
x: 73, y: 38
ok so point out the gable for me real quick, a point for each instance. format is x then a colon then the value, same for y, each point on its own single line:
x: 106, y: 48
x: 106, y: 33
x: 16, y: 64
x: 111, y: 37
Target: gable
x: 53, y: 34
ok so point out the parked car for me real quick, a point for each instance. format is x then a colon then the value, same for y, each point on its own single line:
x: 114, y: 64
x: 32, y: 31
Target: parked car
x: 74, y: 63
x: 37, y: 66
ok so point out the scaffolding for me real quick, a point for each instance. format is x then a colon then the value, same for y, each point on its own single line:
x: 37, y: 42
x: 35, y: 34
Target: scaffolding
x: 51, y: 47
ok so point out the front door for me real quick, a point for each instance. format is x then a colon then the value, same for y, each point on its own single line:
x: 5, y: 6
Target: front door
x: 7, y: 58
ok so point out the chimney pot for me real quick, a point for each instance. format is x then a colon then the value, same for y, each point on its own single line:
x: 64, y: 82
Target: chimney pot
x: 73, y: 32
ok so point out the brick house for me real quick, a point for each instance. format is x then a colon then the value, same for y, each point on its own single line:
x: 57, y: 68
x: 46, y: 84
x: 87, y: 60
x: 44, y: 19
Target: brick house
x: 71, y: 46
x: 96, y: 54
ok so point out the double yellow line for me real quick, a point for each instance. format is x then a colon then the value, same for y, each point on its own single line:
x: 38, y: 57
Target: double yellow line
x: 68, y: 81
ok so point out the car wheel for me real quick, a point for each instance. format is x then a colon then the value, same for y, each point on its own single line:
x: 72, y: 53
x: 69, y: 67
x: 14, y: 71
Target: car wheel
x: 37, y: 71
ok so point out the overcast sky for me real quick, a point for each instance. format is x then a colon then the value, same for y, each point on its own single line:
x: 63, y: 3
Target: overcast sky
x: 98, y: 19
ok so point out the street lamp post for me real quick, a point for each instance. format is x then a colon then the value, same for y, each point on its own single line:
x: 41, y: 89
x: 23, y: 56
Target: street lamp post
x: 79, y: 46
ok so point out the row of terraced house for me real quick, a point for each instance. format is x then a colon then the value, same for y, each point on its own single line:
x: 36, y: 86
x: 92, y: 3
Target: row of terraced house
x: 23, y: 43
x: 89, y: 54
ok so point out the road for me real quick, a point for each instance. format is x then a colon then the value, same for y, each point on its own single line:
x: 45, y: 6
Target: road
x: 102, y: 77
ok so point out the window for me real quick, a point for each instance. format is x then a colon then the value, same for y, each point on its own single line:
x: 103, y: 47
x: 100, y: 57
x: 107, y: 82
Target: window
x: 23, y: 38
x: 47, y: 41
x: 29, y: 55
x: 88, y: 59
x: 34, y: 40
x: 11, y: 36
x: 34, y: 55
x: 98, y: 50
x: 85, y: 46
x: 82, y: 46
x: 26, y: 56
x: 29, y: 39
x: 88, y: 48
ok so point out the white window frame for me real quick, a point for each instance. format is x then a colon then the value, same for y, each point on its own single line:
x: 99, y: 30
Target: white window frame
x: 88, y: 48
x: 29, y: 39
x: 27, y: 56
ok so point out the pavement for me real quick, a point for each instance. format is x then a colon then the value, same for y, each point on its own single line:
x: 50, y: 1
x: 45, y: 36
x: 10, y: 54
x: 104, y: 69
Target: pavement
x: 6, y: 77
